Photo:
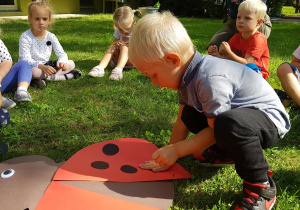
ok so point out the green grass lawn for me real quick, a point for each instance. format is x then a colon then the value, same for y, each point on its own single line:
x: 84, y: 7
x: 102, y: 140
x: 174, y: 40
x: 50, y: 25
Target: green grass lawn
x: 289, y: 10
x: 70, y: 115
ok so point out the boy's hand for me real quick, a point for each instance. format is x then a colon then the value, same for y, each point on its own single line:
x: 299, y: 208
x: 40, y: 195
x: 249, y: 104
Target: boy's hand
x: 152, y: 165
x: 224, y: 48
x: 48, y: 70
x: 165, y: 156
x: 121, y: 43
x: 213, y: 50
x: 62, y: 66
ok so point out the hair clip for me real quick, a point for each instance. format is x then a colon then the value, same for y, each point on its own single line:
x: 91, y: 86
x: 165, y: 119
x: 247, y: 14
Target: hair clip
x: 48, y: 43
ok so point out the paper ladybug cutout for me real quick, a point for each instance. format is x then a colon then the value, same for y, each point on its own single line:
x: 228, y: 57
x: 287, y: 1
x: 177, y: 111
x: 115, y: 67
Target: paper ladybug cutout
x: 116, y: 161
x: 31, y: 186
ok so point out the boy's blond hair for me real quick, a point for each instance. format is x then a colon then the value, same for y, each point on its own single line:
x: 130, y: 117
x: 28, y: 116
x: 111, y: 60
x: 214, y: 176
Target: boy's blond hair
x: 257, y: 6
x: 39, y: 3
x: 123, y: 18
x: 156, y: 35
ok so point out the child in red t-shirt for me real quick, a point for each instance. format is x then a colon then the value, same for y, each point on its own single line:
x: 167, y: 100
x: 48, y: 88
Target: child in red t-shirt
x: 249, y: 45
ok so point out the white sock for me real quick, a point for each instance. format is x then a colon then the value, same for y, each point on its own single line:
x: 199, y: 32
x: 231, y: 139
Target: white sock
x: 21, y: 88
x: 119, y: 69
x: 55, y: 77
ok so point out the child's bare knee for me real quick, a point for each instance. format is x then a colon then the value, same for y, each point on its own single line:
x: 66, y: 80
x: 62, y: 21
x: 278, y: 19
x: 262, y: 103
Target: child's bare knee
x: 283, y: 70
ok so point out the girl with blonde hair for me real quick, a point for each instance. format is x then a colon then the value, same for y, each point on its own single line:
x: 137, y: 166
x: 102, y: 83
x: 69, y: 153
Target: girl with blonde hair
x: 36, y: 46
x: 117, y: 53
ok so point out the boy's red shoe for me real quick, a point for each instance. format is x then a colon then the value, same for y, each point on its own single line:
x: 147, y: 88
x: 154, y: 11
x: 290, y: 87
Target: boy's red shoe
x: 210, y: 157
x: 258, y: 196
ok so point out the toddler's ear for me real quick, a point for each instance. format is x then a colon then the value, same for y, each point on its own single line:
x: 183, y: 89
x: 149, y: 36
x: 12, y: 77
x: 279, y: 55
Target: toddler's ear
x: 173, y: 58
x: 259, y: 22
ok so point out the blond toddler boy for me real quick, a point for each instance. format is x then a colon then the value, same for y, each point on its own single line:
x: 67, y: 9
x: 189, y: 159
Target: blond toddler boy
x: 218, y: 103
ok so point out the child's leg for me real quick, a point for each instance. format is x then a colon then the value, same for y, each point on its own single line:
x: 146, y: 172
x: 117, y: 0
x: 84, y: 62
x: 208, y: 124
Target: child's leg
x: 108, y: 56
x: 195, y: 122
x: 98, y: 71
x: 60, y: 75
x: 19, y: 75
x: 242, y: 134
x: 289, y: 78
x: 122, y: 59
x: 70, y: 67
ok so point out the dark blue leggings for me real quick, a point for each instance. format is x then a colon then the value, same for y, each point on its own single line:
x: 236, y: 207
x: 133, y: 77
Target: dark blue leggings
x: 20, y: 72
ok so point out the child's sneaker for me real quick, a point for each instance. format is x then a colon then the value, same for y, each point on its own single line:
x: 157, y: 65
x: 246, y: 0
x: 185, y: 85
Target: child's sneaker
x: 7, y: 103
x: 212, y: 158
x: 284, y: 98
x: 116, y: 74
x: 38, y: 83
x: 22, y: 96
x: 76, y: 73
x: 258, y: 196
x: 97, y: 71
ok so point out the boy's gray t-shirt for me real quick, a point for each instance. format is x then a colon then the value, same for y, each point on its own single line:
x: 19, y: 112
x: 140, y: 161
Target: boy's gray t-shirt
x: 214, y: 85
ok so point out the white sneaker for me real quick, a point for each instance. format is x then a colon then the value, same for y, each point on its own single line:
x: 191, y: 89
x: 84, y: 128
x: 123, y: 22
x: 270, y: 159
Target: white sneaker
x: 116, y: 74
x: 7, y: 103
x: 97, y: 71
x: 22, y: 96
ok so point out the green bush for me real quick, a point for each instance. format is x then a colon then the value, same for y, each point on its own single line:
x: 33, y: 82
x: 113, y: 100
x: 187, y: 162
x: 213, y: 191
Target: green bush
x: 192, y: 8
x: 211, y: 8
x: 275, y: 7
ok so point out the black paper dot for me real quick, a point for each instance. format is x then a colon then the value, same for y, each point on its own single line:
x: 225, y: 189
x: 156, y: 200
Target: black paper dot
x: 110, y: 149
x: 100, y: 165
x: 7, y: 172
x: 128, y: 169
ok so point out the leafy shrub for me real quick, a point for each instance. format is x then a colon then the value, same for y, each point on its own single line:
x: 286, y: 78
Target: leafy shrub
x: 275, y: 7
x: 211, y: 8
x: 195, y: 8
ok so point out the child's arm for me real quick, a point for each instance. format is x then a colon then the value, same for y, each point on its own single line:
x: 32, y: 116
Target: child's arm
x: 58, y: 50
x: 167, y: 155
x: 25, y: 51
x: 228, y: 54
x: 48, y: 70
x: 179, y: 131
x: 180, y: 146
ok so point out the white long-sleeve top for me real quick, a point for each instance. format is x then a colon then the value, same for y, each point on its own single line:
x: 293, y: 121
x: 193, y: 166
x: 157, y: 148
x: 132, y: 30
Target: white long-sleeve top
x: 4, y: 54
x: 38, y: 51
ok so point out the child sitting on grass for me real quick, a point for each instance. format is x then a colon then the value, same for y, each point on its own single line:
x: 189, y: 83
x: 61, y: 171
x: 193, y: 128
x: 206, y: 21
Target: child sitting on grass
x: 117, y: 53
x: 13, y: 76
x: 249, y: 45
x: 36, y: 45
x: 218, y: 103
